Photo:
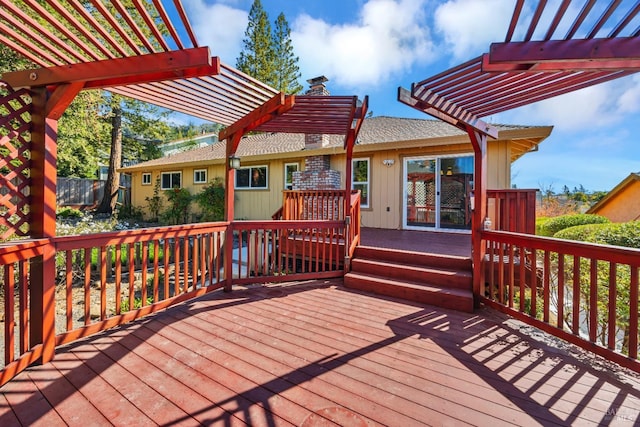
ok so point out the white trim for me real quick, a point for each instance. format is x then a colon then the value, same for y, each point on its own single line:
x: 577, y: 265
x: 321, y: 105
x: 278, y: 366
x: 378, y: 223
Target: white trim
x: 436, y: 226
x: 285, y: 183
x: 202, y: 181
x: 162, y: 187
x: 266, y: 177
x: 144, y: 175
x: 367, y: 182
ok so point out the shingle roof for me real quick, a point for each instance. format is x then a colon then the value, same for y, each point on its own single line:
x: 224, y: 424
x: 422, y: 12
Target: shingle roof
x: 375, y: 130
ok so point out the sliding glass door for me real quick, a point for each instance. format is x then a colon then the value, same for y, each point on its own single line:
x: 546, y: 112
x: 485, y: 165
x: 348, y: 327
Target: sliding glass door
x: 437, y: 191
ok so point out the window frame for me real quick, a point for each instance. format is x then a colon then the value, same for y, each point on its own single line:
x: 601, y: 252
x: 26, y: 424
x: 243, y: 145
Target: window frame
x: 146, y: 175
x: 195, y: 172
x: 289, y: 185
x: 162, y: 174
x: 366, y: 183
x: 250, y: 168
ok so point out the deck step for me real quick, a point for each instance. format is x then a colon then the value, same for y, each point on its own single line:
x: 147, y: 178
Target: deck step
x: 452, y: 298
x: 416, y: 258
x: 440, y: 280
x: 458, y: 279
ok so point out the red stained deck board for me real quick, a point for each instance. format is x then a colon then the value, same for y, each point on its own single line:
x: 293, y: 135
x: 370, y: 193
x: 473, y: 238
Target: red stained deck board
x: 109, y: 401
x: 220, y: 403
x: 517, y: 361
x: 367, y: 381
x: 73, y: 411
x: 287, y: 355
x: 313, y: 368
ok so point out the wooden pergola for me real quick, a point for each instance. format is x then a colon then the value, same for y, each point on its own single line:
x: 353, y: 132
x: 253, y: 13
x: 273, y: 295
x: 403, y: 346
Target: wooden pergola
x: 140, y: 51
x: 515, y: 73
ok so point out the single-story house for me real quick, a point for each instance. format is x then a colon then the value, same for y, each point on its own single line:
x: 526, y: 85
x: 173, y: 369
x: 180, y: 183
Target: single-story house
x: 622, y: 203
x: 412, y: 173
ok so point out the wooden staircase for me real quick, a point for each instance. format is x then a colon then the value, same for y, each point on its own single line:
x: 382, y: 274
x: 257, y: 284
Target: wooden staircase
x: 440, y: 280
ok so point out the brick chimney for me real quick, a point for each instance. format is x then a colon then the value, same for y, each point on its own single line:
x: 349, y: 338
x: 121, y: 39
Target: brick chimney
x: 317, y: 174
x: 317, y: 88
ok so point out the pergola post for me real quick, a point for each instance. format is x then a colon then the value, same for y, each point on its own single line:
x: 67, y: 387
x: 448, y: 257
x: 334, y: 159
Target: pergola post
x: 43, y: 224
x: 479, y: 143
x: 229, y: 197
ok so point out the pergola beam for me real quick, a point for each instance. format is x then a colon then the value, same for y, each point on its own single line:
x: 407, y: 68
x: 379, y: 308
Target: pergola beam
x: 621, y: 53
x: 195, y: 62
x: 274, y: 107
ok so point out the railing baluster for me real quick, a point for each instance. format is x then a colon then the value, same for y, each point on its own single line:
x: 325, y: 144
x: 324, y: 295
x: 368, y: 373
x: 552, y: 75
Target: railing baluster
x: 9, y: 314
x: 132, y: 269
x: 613, y: 299
x: 633, y: 313
x: 68, y: 283
x: 103, y: 283
x: 575, y: 309
x: 593, y: 299
x: 87, y: 285
x: 118, y: 273
x: 533, y: 286
x: 546, y: 284
x: 156, y: 271
x: 145, y: 266
x: 560, y: 290
x: 23, y: 271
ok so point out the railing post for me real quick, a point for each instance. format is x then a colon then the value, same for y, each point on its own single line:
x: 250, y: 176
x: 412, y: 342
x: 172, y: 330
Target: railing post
x: 347, y: 244
x: 228, y: 258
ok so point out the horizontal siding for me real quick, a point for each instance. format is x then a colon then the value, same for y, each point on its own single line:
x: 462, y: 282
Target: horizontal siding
x: 385, y: 209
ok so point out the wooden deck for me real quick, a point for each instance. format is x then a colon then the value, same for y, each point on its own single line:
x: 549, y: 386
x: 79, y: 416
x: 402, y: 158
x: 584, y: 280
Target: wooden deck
x: 316, y: 353
x: 439, y: 242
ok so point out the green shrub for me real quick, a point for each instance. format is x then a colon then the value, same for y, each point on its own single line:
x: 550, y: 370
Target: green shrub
x: 540, y: 222
x: 179, y: 200
x: 553, y: 225
x: 625, y: 234
x: 618, y: 234
x: 68, y: 213
x: 582, y: 233
x: 211, y: 200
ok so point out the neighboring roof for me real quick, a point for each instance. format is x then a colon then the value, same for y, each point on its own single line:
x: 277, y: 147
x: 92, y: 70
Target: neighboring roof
x: 377, y: 133
x: 633, y: 177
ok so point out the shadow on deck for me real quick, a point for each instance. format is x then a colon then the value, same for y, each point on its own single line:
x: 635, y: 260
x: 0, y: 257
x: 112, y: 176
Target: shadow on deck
x: 315, y: 352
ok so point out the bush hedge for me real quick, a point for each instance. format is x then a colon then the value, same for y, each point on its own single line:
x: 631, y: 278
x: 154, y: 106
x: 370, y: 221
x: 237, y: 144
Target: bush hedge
x: 553, y: 225
x: 618, y: 234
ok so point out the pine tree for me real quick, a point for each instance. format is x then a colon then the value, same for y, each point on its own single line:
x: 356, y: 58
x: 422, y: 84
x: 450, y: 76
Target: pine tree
x: 256, y: 58
x: 286, y: 70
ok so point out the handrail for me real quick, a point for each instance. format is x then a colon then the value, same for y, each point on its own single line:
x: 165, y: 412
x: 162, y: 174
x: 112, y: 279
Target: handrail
x: 581, y: 292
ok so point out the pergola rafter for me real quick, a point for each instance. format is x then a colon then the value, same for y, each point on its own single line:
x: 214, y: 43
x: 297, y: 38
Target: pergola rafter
x: 517, y: 73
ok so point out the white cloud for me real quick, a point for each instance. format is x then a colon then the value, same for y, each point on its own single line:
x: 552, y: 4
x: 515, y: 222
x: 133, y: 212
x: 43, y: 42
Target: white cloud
x: 388, y: 39
x: 218, y: 26
x: 469, y: 26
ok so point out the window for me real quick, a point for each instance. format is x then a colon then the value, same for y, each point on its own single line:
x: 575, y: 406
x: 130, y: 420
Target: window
x: 146, y: 178
x: 253, y: 177
x: 200, y: 176
x: 360, y: 180
x: 171, y: 180
x: 289, y: 169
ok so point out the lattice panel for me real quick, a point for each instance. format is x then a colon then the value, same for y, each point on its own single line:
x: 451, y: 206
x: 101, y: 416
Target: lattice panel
x: 15, y: 160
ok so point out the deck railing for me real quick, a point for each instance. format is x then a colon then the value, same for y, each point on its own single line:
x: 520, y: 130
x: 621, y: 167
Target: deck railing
x: 584, y: 293
x: 512, y: 210
x: 313, y: 205
x: 106, y: 279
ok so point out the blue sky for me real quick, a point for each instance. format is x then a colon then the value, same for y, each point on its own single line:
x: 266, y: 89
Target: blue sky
x: 370, y: 47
